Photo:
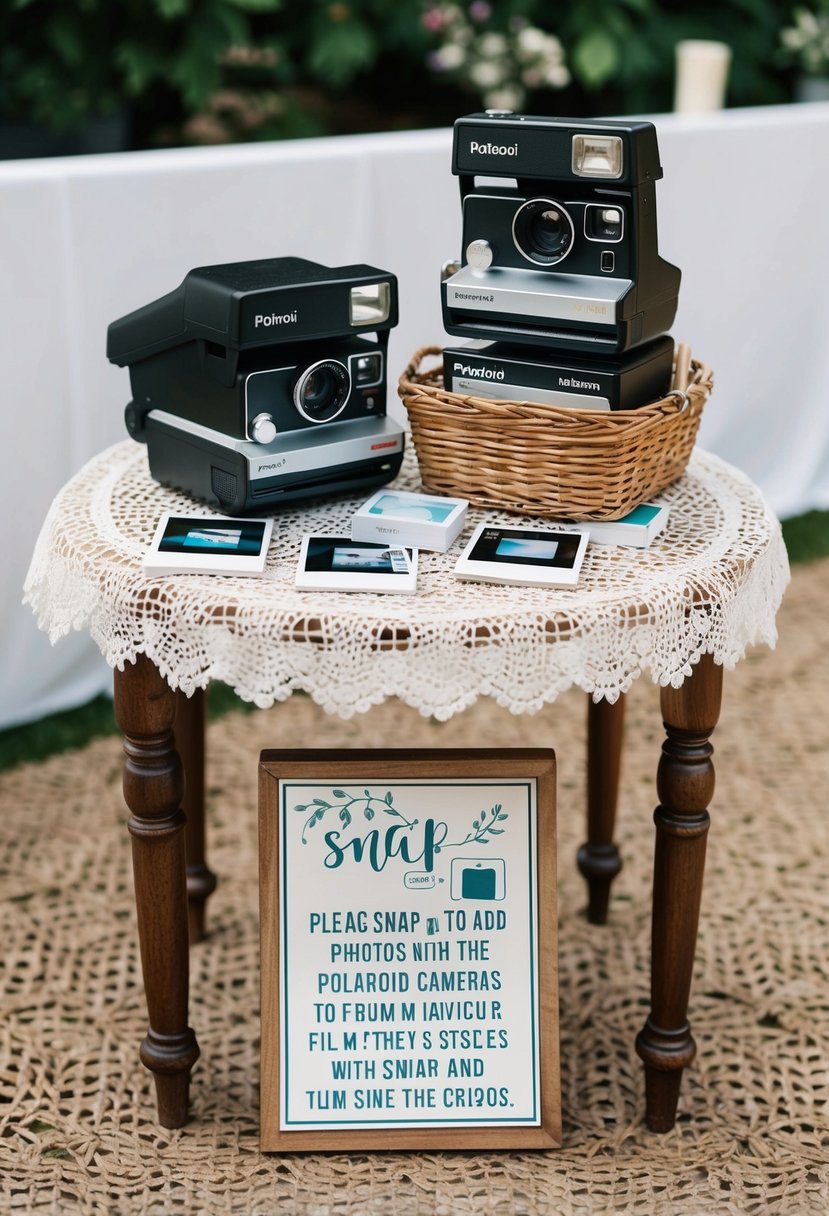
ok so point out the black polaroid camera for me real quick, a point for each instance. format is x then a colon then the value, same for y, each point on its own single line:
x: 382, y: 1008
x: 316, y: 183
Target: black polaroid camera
x: 253, y: 384
x: 559, y: 254
x: 565, y: 251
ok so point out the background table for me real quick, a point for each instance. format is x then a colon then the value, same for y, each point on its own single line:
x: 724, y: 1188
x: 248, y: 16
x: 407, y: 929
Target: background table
x: 682, y: 610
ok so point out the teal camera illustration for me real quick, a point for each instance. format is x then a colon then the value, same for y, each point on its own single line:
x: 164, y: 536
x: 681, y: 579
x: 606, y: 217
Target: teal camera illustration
x: 472, y: 878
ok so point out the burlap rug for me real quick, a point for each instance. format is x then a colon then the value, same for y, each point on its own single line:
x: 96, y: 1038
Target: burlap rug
x: 77, y: 1131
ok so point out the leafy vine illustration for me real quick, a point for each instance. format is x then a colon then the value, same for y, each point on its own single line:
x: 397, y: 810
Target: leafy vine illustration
x: 483, y: 828
x: 346, y: 809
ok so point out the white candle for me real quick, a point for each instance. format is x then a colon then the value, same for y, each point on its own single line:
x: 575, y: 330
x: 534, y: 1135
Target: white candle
x: 701, y: 75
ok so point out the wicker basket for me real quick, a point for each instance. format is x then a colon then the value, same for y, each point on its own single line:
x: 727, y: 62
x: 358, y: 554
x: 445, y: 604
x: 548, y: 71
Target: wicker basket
x: 550, y: 460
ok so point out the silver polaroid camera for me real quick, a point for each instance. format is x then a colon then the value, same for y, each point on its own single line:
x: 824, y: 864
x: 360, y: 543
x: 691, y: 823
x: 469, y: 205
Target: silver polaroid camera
x: 258, y: 383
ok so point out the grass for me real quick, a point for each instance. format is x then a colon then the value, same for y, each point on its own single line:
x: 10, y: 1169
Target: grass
x: 806, y: 537
x: 75, y: 727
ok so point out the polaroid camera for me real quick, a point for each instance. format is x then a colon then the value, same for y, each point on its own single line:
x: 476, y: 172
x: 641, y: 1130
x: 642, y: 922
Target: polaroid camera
x: 560, y: 254
x: 565, y: 250
x: 257, y: 383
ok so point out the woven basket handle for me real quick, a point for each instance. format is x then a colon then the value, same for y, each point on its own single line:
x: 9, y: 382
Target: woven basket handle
x: 416, y: 360
x: 682, y: 367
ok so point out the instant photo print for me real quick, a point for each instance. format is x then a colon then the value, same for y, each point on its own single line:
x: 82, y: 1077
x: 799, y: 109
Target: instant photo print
x: 208, y: 544
x: 424, y: 521
x: 338, y: 563
x: 257, y: 383
x: 523, y: 556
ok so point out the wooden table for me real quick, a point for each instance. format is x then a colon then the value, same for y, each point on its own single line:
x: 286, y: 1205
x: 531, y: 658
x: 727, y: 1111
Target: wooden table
x: 682, y: 610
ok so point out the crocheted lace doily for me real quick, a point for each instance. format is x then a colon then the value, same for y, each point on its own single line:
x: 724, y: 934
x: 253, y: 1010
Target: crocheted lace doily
x: 711, y: 583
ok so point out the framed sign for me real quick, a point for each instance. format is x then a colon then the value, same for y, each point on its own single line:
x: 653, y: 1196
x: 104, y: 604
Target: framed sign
x: 409, y: 953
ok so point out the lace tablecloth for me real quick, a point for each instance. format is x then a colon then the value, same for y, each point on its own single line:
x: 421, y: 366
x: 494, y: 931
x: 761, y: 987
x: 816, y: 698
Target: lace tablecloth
x: 711, y: 583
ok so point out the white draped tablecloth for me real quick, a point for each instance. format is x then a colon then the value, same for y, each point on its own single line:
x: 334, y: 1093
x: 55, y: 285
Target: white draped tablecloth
x: 710, y: 583
x: 86, y: 239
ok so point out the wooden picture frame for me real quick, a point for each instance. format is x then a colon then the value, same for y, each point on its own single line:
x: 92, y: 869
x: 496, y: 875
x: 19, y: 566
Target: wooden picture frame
x: 409, y: 962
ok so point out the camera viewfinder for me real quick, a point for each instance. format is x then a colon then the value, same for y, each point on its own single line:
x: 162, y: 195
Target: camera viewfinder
x: 603, y: 223
x: 368, y: 369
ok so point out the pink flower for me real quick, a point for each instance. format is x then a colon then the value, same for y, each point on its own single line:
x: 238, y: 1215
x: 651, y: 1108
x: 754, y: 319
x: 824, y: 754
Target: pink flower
x: 433, y: 19
x: 479, y: 10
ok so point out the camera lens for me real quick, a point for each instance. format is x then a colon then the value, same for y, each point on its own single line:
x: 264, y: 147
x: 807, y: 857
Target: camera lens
x: 321, y: 392
x: 542, y: 231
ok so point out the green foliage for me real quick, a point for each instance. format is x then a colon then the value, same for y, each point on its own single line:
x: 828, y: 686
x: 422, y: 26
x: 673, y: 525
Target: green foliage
x: 807, y: 536
x: 595, y: 58
x: 622, y: 55
x: 226, y: 70
x: 61, y: 62
x: 341, y: 50
x: 56, y: 733
x: 74, y: 728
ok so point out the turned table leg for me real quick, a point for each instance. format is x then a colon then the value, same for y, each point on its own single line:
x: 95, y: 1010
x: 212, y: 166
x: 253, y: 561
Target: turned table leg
x: 685, y: 784
x: 144, y: 709
x: 188, y: 729
x: 599, y: 859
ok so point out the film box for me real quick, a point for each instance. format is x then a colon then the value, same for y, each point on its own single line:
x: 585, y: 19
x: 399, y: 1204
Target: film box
x: 399, y: 517
x: 637, y: 528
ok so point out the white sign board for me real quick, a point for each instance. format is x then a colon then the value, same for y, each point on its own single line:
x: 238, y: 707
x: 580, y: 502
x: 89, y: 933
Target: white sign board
x: 406, y: 916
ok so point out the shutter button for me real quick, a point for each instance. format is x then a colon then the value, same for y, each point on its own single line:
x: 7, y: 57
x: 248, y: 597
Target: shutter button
x: 263, y: 429
x: 480, y: 254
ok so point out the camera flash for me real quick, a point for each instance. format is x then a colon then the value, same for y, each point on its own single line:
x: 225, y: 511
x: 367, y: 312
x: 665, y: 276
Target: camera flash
x: 597, y: 155
x: 611, y: 216
x: 369, y: 304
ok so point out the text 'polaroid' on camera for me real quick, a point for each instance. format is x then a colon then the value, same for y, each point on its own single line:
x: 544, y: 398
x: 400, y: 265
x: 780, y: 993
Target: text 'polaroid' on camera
x: 208, y: 544
x: 425, y: 521
x: 523, y: 556
x: 338, y: 563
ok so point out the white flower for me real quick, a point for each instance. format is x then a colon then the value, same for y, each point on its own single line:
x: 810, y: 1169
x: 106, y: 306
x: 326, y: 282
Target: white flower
x: 808, y: 40
x: 450, y: 56
x: 507, y: 97
x: 808, y: 23
x: 531, y: 41
x: 556, y: 76
x: 501, y: 67
x: 486, y: 75
x: 492, y: 46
